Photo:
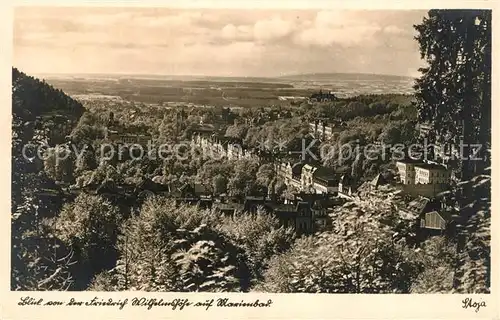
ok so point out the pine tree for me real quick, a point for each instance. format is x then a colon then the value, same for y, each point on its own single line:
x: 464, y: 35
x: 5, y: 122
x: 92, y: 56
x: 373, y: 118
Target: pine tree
x: 454, y: 95
x: 454, y: 91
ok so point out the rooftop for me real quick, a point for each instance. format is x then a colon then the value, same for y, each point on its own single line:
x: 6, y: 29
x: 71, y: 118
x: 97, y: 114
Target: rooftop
x: 232, y: 206
x: 417, y: 205
x: 284, y: 208
x: 410, y: 160
x: 378, y: 180
x: 327, y: 174
x: 431, y: 166
x: 309, y: 167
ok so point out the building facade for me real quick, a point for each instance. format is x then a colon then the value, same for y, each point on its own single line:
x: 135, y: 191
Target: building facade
x: 322, y: 130
x: 406, y: 170
x: 431, y: 174
x: 128, y: 138
x: 309, y: 178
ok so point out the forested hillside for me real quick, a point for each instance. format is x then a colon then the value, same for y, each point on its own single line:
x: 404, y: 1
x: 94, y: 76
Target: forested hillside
x: 32, y: 97
x: 41, y: 115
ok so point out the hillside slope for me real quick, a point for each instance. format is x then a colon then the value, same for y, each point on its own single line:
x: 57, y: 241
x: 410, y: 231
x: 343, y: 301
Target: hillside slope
x: 39, y: 107
x: 41, y: 114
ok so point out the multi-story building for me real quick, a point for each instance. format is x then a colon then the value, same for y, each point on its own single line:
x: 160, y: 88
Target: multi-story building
x: 297, y: 216
x: 347, y: 186
x: 282, y: 169
x: 325, y: 185
x: 319, y: 215
x: 430, y: 215
x: 309, y: 178
x: 423, y: 178
x: 220, y: 146
x: 326, y: 181
x: 127, y: 138
x: 322, y: 96
x: 429, y: 173
x: 321, y: 130
x: 406, y: 170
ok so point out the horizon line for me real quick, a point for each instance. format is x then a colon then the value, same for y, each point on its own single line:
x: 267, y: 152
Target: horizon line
x: 214, y: 76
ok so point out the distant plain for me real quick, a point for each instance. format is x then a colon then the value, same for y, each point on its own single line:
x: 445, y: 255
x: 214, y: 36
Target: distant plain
x: 224, y: 91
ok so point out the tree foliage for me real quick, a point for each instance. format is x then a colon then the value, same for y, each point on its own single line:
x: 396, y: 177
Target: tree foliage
x: 436, y: 259
x: 360, y: 254
x: 454, y: 91
x: 168, y: 248
x: 474, y: 236
x: 259, y: 235
x: 90, y: 226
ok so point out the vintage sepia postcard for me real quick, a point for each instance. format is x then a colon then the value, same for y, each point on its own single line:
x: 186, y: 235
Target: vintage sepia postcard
x: 249, y: 160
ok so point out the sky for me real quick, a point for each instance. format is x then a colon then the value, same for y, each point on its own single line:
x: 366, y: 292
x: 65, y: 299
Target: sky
x: 214, y: 42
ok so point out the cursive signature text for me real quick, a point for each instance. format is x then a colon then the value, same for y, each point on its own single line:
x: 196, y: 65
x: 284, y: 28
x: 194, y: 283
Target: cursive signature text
x: 469, y: 303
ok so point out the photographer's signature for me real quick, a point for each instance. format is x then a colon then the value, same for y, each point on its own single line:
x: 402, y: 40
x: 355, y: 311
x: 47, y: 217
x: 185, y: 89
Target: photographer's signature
x: 469, y: 303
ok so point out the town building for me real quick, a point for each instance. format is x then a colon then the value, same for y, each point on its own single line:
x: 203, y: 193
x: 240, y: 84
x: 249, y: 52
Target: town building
x: 431, y: 216
x: 297, y: 216
x: 406, y: 170
x: 347, y: 187
x: 294, y: 175
x: 309, y: 178
x: 127, y: 138
x: 324, y: 129
x: 217, y: 146
x: 422, y: 178
x: 322, y: 96
x: 429, y: 173
x: 325, y: 184
x: 418, y: 207
x: 204, y: 130
x: 425, y: 190
x: 147, y: 187
x: 320, y: 217
x: 325, y: 181
x: 189, y: 190
x: 436, y: 223
x: 228, y: 208
x: 306, y: 177
x: 252, y: 204
x: 282, y: 169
